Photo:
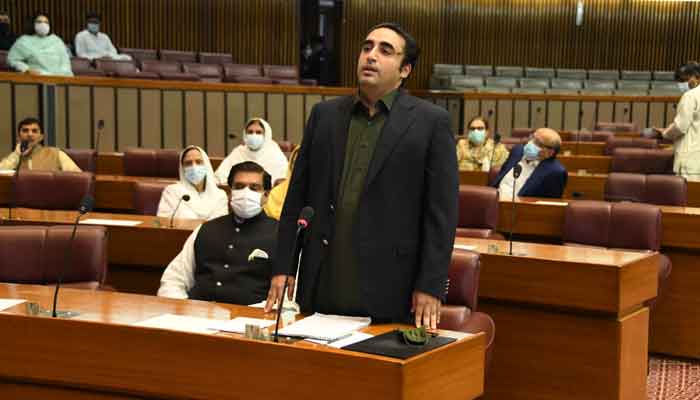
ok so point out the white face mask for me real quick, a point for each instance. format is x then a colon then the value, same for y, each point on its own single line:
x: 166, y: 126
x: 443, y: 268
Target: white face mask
x: 254, y: 141
x: 195, y: 173
x: 246, y: 203
x: 683, y: 86
x: 42, y: 28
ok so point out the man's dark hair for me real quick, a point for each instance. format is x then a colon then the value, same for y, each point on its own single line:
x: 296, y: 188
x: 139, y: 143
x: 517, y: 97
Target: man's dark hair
x: 92, y: 15
x: 250, y: 166
x: 411, y: 50
x: 687, y: 70
x: 29, y: 121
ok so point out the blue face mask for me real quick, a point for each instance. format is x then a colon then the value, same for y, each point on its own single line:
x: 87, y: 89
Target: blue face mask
x: 253, y: 141
x: 477, y: 136
x: 93, y: 28
x: 531, y: 151
x: 195, y: 174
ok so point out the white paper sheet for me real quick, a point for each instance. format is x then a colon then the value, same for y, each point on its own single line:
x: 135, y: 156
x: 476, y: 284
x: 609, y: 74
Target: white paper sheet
x: 552, y: 203
x: 237, y: 325
x: 180, y: 323
x: 354, y: 338
x: 110, y: 222
x: 464, y: 247
x: 8, y: 303
x: 325, y: 327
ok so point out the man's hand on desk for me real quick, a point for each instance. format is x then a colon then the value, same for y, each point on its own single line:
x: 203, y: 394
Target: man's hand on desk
x: 274, y: 295
x: 426, y: 309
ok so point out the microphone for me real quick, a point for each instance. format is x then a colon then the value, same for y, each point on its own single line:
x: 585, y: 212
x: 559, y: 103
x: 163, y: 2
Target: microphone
x: 185, y: 197
x: 86, y: 205
x: 303, y: 222
x: 98, y: 134
x: 23, y: 146
x: 517, y: 169
x: 496, y: 141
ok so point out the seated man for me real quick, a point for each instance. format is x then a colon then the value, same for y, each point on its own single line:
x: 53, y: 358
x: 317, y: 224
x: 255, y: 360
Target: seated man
x: 91, y: 43
x: 36, y: 157
x: 228, y: 259
x: 542, y: 174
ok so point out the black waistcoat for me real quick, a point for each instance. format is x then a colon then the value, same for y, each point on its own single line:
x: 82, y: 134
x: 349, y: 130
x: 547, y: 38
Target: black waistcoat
x: 223, y: 272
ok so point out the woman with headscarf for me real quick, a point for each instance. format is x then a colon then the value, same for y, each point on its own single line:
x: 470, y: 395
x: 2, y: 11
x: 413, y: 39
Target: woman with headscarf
x: 275, y: 200
x: 258, y: 147
x: 479, y: 152
x: 40, y: 52
x: 197, y: 180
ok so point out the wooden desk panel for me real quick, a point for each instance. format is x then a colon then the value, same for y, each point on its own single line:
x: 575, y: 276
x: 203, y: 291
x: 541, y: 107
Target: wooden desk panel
x: 591, y: 164
x: 570, y: 322
x: 584, y: 148
x: 157, y: 363
x: 675, y: 323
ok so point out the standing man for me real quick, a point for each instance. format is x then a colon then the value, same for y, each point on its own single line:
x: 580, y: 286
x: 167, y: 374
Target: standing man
x: 380, y: 170
x: 684, y: 131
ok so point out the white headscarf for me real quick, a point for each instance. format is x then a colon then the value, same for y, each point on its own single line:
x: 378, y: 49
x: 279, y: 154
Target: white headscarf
x: 269, y: 156
x: 211, y: 203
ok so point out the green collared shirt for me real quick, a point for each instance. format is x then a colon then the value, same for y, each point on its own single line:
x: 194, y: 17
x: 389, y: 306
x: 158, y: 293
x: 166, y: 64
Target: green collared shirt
x: 339, y: 286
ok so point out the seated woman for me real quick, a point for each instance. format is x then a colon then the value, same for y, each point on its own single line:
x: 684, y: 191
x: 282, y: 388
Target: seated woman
x: 40, y: 52
x: 479, y: 152
x: 275, y: 200
x: 258, y: 147
x: 197, y: 180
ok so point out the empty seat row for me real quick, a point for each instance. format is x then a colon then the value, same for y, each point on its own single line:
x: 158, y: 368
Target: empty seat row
x: 565, y: 73
x: 459, y: 82
x: 175, y: 70
x: 178, y: 55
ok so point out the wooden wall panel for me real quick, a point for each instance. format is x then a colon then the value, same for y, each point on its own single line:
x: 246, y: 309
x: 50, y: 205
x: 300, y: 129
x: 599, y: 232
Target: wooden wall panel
x: 618, y: 34
x: 245, y: 28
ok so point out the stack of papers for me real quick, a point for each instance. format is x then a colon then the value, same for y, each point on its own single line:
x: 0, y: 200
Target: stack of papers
x: 180, y: 323
x: 325, y: 327
x: 237, y: 325
x: 9, y: 303
x: 110, y: 222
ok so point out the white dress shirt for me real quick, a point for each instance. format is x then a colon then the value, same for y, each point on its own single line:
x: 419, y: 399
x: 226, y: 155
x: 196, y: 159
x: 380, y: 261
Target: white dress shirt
x: 178, y: 278
x: 508, y: 183
x: 685, y: 133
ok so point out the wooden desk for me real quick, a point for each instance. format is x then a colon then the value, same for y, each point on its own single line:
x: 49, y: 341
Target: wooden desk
x: 112, y: 192
x: 584, y: 148
x: 137, y: 255
x: 591, y: 164
x: 675, y: 323
x: 589, y: 186
x: 112, y: 163
x: 569, y: 320
x: 99, y: 355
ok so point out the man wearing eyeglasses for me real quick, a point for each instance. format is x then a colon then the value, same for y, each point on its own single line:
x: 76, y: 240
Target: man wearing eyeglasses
x: 542, y: 174
x: 380, y: 170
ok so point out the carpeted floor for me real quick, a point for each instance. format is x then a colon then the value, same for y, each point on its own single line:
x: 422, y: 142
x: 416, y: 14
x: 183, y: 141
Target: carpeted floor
x: 673, y: 379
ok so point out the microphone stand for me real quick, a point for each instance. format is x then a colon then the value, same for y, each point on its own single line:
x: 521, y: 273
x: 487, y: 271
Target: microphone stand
x: 517, y: 169
x: 300, y: 228
x: 84, y: 208
x: 13, y: 195
x: 184, y: 197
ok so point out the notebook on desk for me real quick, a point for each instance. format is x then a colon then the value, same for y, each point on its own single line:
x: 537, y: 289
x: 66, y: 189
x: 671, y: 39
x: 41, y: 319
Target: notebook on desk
x: 391, y: 344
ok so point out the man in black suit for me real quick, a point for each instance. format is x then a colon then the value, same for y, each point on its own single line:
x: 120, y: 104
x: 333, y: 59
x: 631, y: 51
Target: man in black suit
x: 380, y: 170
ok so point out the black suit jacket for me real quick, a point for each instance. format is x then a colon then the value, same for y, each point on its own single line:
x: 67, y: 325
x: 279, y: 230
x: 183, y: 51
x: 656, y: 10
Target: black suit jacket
x: 404, y: 230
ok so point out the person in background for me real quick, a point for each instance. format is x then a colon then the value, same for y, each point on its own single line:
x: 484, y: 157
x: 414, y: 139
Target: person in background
x: 197, y: 180
x: 542, y: 175
x: 36, y: 157
x: 258, y: 147
x: 479, y: 152
x: 40, y: 52
x: 92, y: 44
x: 7, y: 37
x: 684, y: 131
x: 228, y: 259
x: 275, y: 202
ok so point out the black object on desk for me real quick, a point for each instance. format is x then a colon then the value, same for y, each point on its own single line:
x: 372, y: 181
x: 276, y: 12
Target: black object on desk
x: 391, y: 344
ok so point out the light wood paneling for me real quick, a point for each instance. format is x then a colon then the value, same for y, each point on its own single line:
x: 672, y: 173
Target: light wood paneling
x: 216, y: 124
x: 79, y: 117
x: 127, y: 119
x: 151, y: 120
x: 173, y: 124
x: 7, y: 131
x: 104, y: 103
x: 194, y: 119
